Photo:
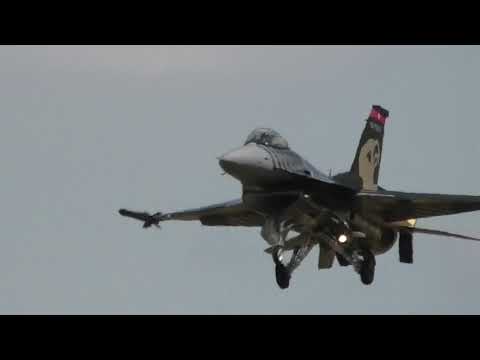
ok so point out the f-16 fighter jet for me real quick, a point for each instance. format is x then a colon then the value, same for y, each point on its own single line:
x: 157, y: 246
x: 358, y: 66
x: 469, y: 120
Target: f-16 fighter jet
x: 348, y: 216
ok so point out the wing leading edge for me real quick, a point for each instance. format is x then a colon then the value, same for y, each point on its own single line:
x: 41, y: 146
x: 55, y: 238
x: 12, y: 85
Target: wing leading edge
x: 230, y: 213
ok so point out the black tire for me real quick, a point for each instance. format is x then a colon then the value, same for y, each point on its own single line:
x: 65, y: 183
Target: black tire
x: 282, y: 275
x: 341, y: 260
x: 367, y: 271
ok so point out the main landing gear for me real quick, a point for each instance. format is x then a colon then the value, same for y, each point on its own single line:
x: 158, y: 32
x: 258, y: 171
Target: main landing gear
x: 362, y: 260
x: 367, y: 267
x: 341, y: 260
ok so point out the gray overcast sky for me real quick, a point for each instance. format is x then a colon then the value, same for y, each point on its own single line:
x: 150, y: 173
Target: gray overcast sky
x: 89, y: 129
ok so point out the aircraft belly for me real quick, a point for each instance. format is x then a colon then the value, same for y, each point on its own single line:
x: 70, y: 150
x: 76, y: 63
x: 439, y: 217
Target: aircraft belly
x: 268, y: 202
x: 377, y: 239
x: 378, y: 245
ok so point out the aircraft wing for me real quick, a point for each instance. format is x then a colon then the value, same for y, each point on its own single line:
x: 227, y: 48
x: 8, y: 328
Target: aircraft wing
x: 230, y: 213
x: 392, y: 206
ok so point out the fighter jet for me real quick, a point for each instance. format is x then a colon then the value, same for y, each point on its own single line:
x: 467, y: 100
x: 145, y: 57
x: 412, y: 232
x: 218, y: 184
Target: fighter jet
x: 348, y: 216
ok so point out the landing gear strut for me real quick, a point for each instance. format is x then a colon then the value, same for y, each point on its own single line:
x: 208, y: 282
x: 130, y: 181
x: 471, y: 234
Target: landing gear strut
x: 367, y: 268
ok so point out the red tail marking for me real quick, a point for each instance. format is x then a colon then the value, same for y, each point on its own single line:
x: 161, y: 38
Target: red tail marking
x: 376, y: 116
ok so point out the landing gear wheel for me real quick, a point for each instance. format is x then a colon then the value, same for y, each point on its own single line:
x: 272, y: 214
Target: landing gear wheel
x: 367, y: 270
x: 282, y: 276
x: 341, y: 260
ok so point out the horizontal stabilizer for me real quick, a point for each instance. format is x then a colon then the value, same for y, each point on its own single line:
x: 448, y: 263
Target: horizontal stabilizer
x: 439, y: 233
x: 395, y: 206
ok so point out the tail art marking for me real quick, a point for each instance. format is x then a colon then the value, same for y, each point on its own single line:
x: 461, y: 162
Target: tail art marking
x: 369, y: 160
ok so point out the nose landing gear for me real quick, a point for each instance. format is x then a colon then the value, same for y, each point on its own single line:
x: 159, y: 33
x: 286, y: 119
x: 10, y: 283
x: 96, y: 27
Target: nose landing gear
x: 282, y: 273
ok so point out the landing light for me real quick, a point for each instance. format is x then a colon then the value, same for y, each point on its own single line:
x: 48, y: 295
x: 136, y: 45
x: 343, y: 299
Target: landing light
x: 342, y: 238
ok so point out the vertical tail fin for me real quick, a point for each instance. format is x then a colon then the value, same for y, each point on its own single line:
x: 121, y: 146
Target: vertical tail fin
x: 366, y: 164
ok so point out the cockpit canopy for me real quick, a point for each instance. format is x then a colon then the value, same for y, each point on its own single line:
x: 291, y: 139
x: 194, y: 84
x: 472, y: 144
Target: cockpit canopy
x: 267, y: 137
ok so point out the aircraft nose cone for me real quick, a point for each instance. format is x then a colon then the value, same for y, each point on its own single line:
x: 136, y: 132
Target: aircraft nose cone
x: 231, y: 158
x: 246, y: 161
